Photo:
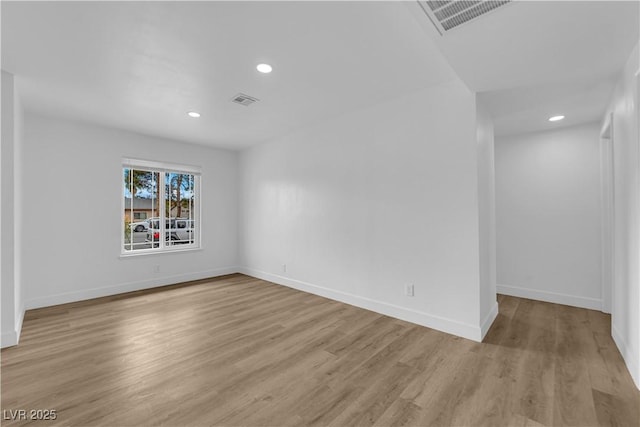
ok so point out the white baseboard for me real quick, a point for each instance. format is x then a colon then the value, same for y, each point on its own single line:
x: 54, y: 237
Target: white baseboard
x: 8, y: 339
x: 449, y: 326
x: 572, y: 300
x: 630, y: 358
x: 19, y: 321
x: 11, y: 338
x: 488, y: 320
x: 86, y: 294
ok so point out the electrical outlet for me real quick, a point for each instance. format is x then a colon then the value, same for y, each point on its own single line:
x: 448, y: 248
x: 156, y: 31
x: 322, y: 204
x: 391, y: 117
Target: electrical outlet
x: 408, y: 290
x: 156, y: 269
x: 284, y: 268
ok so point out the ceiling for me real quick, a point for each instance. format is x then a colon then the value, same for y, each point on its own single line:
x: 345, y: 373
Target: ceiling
x: 143, y: 65
x: 531, y: 60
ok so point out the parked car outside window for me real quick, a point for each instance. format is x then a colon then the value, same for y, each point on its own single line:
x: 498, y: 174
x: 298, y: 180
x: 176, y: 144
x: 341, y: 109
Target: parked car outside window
x: 177, y: 231
x: 139, y: 226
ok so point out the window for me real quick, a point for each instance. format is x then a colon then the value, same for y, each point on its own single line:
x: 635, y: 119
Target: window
x: 161, y: 207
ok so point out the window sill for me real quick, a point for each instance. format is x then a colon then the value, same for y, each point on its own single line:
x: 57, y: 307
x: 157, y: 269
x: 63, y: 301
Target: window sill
x: 143, y: 252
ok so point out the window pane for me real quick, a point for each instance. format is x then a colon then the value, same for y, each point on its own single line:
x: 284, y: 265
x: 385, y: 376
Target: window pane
x: 179, y: 195
x: 192, y: 199
x: 140, y: 202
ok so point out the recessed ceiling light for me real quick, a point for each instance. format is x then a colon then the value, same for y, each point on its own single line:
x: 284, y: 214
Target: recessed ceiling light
x: 193, y: 114
x: 556, y: 118
x: 264, y: 68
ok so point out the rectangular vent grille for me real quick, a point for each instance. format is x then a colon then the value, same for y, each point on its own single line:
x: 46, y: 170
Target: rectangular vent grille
x: 447, y: 15
x: 243, y: 99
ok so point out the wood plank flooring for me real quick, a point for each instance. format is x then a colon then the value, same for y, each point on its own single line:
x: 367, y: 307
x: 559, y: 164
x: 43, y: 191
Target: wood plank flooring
x: 238, y: 351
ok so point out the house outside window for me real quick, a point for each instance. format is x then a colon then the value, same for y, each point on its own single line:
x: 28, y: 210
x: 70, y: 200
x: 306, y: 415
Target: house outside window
x: 138, y: 216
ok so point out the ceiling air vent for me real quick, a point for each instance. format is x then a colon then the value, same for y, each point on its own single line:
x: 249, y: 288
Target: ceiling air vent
x: 243, y: 99
x: 447, y: 15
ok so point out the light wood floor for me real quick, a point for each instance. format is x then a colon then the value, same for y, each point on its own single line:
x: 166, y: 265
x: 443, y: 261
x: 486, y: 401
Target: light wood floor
x: 238, y: 351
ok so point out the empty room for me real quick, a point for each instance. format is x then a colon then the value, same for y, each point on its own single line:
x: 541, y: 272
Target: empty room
x: 320, y: 213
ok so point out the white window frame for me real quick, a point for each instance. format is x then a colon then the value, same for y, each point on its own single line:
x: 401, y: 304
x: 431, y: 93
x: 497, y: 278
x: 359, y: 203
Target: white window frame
x: 163, y: 168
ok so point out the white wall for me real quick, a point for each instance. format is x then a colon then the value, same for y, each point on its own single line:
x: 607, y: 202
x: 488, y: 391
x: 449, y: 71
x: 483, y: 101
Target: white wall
x: 625, y: 307
x: 548, y: 216
x: 487, y: 217
x: 71, y: 180
x: 11, y: 313
x: 18, y: 132
x: 361, y: 205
